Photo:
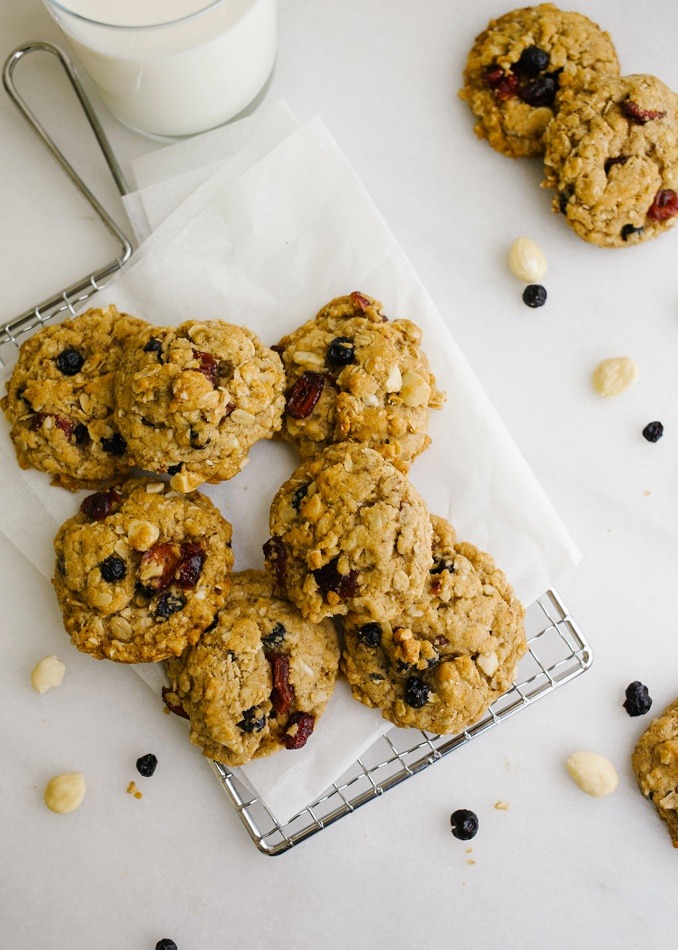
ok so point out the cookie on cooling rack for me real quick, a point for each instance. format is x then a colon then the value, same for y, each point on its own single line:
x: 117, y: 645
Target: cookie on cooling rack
x: 259, y: 679
x: 611, y: 155
x: 353, y: 375
x: 655, y: 763
x: 442, y: 662
x: 141, y: 571
x: 193, y: 399
x: 60, y: 399
x: 349, y: 532
x: 523, y: 65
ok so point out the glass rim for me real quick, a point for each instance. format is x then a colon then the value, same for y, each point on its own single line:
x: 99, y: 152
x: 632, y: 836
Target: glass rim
x: 59, y: 5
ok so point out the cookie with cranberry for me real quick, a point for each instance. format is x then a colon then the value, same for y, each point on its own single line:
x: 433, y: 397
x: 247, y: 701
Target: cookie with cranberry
x: 354, y: 375
x: 141, y: 571
x: 444, y: 660
x: 258, y: 681
x: 655, y: 763
x: 60, y: 399
x: 611, y: 156
x: 523, y: 65
x: 193, y: 399
x: 349, y: 532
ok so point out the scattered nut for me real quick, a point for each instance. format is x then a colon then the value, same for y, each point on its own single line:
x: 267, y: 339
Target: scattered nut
x: 612, y: 376
x: 526, y: 260
x: 593, y: 773
x: 64, y: 793
x: 47, y: 673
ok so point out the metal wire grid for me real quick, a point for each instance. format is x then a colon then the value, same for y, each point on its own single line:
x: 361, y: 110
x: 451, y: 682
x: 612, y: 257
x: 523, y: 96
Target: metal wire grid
x: 557, y: 653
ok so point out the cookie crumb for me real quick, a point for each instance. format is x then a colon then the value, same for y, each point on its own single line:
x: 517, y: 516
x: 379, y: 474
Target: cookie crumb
x: 470, y: 861
x: 501, y: 806
x: 133, y: 790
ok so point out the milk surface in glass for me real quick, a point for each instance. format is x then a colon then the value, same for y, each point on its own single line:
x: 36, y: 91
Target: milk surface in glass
x: 172, y: 67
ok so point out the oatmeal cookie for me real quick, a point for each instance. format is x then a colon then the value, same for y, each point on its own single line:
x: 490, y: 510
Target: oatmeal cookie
x: 349, y: 532
x: 524, y: 65
x: 442, y: 662
x: 193, y: 399
x: 60, y: 401
x: 611, y: 155
x: 259, y: 680
x: 353, y: 375
x: 655, y: 762
x: 141, y: 571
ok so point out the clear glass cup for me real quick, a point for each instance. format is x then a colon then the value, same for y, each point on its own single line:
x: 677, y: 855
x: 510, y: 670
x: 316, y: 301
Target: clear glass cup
x: 172, y: 68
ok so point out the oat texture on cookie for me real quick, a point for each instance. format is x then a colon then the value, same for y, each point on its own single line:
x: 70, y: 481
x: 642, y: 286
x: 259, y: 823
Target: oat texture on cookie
x: 60, y: 399
x: 354, y: 375
x: 349, y: 532
x: 258, y: 681
x: 141, y: 571
x: 655, y: 763
x: 193, y: 399
x: 440, y: 663
x: 524, y: 65
x: 611, y: 156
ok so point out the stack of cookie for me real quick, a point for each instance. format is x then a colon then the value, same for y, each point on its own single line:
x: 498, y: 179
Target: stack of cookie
x: 545, y: 82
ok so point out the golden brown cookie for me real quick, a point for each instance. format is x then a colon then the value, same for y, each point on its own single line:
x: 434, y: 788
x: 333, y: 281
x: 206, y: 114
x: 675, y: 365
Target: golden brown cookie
x: 655, y: 762
x: 523, y: 65
x: 141, y: 571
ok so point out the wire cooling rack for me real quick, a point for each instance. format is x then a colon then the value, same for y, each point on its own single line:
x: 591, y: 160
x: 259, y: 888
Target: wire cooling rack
x: 557, y: 653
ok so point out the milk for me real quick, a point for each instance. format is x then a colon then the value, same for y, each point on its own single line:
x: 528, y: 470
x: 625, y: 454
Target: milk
x: 172, y: 67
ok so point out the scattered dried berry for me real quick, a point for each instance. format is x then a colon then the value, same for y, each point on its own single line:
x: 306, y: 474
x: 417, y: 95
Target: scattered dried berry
x: 369, y: 634
x: 166, y: 944
x: 340, y: 352
x: 329, y: 579
x: 116, y: 445
x: 207, y: 365
x: 417, y: 693
x: 282, y: 692
x: 113, y: 569
x: 464, y: 824
x: 275, y: 637
x: 168, y: 604
x: 299, y: 728
x: 69, y: 362
x: 304, y: 394
x: 504, y: 85
x: 533, y: 61
x: 540, y: 91
x: 628, y: 231
x: 146, y: 765
x: 275, y: 555
x: 534, y: 295
x: 638, y: 700
x: 664, y: 206
x: 250, y: 722
x: 653, y: 431
x: 101, y: 504
x: 640, y: 116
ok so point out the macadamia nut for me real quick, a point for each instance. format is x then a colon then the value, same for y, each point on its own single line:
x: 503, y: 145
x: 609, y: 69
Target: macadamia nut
x: 593, y: 773
x: 47, y: 673
x: 64, y: 793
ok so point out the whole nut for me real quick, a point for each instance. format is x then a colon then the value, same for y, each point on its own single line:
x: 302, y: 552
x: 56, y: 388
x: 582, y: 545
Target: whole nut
x: 47, y: 673
x: 65, y: 792
x: 526, y: 260
x: 612, y: 376
x: 142, y: 534
x: 593, y: 773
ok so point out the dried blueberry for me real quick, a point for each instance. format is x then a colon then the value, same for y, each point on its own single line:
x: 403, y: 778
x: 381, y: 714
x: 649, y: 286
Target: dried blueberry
x: 116, y: 445
x: 637, y: 701
x: 653, y: 431
x: 70, y: 362
x: 563, y: 199
x: 534, y: 295
x: 250, y: 722
x: 174, y: 469
x: 113, y: 569
x: 340, y: 352
x: 628, y: 231
x: 417, y: 692
x: 441, y: 566
x: 540, y: 91
x: 275, y: 637
x: 146, y: 765
x: 464, y: 824
x: 81, y: 434
x: 166, y: 944
x: 153, y: 346
x: 533, y: 61
x: 369, y: 634
x: 299, y: 496
x: 168, y: 604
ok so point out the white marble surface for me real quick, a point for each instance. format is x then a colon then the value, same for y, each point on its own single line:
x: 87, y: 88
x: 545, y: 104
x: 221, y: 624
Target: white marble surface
x: 558, y: 869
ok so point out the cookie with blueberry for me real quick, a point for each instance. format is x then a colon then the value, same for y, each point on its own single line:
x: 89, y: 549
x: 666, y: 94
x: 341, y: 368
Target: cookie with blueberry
x: 354, y: 375
x: 655, y: 763
x: 439, y: 664
x: 193, y: 399
x: 141, y: 571
x: 521, y: 68
x: 349, y: 532
x: 60, y: 399
x: 611, y: 157
x: 259, y: 679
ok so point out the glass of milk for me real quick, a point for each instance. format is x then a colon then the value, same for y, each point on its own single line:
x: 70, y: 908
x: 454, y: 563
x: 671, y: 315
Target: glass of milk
x: 172, y: 67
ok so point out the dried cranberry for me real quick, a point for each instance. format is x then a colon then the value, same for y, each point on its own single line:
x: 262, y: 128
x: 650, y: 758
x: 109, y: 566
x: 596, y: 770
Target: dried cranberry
x: 192, y: 558
x: 653, y: 431
x: 329, y: 579
x: 540, y: 91
x: 628, y: 231
x: 275, y: 637
x: 533, y: 61
x: 250, y: 722
x: 282, y: 692
x: 146, y: 765
x: 638, y: 700
x: 369, y: 634
x: 64, y: 425
x: 504, y: 85
x: 177, y: 710
x: 113, y: 569
x: 360, y: 300
x: 304, y: 394
x: 640, y: 116
x: 168, y: 604
x: 417, y: 693
x: 100, y: 505
x: 167, y: 556
x: 207, y: 365
x: 116, y: 445
x: 464, y: 824
x: 664, y: 206
x: 69, y: 362
x: 340, y: 352
x: 275, y: 554
x: 304, y: 723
